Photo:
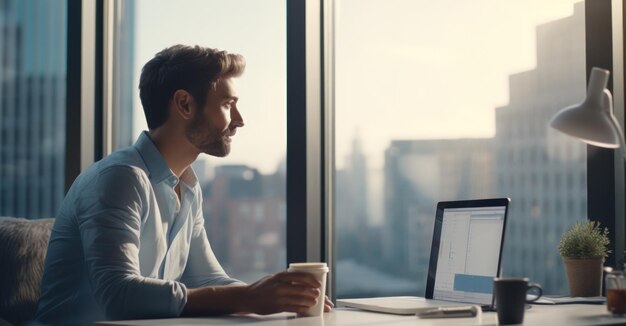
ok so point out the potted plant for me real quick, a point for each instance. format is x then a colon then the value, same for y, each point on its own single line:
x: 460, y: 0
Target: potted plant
x: 583, y: 248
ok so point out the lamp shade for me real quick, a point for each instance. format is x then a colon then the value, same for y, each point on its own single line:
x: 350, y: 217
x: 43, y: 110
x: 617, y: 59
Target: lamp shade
x: 592, y: 121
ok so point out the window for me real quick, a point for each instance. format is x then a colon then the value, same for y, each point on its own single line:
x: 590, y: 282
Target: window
x: 437, y: 101
x: 33, y: 47
x: 244, y: 194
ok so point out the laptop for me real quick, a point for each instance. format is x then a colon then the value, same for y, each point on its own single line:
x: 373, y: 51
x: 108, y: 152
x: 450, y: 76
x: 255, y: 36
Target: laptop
x: 465, y: 257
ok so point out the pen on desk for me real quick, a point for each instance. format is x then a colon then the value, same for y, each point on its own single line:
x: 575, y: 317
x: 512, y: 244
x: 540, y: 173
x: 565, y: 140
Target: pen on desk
x: 449, y: 312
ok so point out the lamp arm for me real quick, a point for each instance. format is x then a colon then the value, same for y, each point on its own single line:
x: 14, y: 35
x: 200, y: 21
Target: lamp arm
x: 622, y: 144
x: 609, y: 101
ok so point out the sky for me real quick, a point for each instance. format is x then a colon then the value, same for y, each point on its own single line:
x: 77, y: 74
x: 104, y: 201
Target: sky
x: 405, y: 69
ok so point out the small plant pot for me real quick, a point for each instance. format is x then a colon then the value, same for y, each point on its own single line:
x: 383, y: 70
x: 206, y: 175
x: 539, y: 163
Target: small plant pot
x: 584, y: 276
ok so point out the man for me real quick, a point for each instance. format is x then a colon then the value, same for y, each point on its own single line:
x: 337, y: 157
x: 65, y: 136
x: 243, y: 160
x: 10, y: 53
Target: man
x: 129, y: 239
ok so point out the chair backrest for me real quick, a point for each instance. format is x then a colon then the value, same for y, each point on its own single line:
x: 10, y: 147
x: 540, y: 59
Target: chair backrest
x: 23, y: 245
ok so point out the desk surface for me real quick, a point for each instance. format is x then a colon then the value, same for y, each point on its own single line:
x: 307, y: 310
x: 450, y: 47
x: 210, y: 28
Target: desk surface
x: 573, y: 314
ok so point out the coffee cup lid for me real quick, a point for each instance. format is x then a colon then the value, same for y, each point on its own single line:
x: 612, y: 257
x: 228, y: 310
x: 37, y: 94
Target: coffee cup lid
x: 308, y: 267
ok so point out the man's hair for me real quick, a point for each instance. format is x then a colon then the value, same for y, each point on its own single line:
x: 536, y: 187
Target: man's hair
x: 193, y: 69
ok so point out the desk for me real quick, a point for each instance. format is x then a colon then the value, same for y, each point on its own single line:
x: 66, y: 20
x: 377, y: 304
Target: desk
x: 543, y: 315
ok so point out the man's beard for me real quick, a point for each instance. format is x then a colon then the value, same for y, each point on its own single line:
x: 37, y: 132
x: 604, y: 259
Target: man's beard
x: 206, y: 139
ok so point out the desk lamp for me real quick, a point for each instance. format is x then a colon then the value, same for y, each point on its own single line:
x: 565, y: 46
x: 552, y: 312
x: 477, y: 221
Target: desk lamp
x: 592, y: 121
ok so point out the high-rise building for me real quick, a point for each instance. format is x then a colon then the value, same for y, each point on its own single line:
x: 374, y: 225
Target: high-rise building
x: 352, y: 200
x: 543, y: 171
x: 33, y: 69
x: 245, y: 220
x: 33, y: 47
x: 418, y: 173
x: 352, y: 207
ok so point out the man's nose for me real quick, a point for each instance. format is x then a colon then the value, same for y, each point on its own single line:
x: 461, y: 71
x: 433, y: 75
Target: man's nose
x: 236, y: 118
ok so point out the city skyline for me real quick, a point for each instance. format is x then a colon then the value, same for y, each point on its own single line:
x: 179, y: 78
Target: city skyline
x: 394, y: 252
x: 439, y: 125
x: 542, y: 171
x: 385, y: 207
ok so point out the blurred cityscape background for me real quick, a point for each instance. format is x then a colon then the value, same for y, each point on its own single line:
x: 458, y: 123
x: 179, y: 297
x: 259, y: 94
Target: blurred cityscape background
x: 383, y: 216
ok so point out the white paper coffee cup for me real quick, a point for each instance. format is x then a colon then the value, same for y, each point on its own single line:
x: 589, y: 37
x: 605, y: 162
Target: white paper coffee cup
x: 319, y: 270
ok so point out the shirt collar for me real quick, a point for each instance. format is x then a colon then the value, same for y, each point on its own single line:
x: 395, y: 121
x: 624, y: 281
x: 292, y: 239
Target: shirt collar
x: 158, y: 170
x: 189, y: 177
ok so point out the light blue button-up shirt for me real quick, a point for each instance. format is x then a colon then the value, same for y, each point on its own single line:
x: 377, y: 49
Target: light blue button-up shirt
x: 123, y: 246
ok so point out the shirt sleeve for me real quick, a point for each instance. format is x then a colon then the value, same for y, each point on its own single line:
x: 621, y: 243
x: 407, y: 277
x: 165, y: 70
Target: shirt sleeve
x: 203, y: 268
x: 109, y: 220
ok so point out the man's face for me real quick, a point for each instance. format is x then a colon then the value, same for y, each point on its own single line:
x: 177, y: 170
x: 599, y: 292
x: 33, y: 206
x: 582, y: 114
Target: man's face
x: 213, y: 125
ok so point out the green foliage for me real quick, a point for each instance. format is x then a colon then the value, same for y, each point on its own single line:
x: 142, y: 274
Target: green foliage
x: 585, y: 240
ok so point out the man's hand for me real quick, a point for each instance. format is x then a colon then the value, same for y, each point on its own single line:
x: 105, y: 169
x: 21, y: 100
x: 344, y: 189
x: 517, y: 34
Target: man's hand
x: 285, y: 291
x: 328, y: 305
x: 282, y: 292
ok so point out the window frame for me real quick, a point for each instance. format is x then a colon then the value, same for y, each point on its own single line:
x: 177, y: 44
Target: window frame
x: 83, y: 87
x: 306, y: 221
x: 605, y: 167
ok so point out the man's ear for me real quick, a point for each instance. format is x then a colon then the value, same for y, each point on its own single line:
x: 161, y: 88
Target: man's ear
x: 183, y: 104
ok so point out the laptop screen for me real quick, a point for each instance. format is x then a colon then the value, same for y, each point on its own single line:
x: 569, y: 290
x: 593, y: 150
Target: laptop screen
x: 469, y: 253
